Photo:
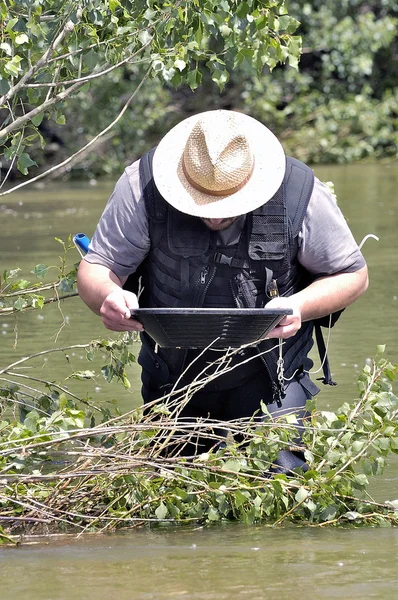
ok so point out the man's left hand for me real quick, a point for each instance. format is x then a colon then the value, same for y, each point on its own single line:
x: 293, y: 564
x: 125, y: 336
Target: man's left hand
x: 290, y: 324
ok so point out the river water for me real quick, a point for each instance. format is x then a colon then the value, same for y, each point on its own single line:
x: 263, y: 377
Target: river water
x: 224, y: 561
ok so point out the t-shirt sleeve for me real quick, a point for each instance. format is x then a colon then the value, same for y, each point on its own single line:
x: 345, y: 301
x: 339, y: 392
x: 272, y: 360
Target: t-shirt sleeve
x: 121, y: 240
x: 326, y: 244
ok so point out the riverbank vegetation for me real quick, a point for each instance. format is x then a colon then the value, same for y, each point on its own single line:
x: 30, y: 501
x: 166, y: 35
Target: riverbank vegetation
x: 321, y: 75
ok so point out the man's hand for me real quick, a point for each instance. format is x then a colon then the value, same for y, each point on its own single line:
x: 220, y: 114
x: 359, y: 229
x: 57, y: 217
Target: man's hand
x: 290, y: 324
x: 102, y: 291
x: 116, y: 310
x: 322, y: 297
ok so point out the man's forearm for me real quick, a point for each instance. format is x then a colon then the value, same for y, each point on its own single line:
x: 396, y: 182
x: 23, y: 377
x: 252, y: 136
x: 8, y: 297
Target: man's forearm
x: 95, y: 283
x: 330, y: 294
x: 323, y: 297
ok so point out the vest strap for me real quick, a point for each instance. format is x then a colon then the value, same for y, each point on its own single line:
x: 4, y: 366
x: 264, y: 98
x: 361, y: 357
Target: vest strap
x: 299, y: 185
x: 327, y: 374
x: 231, y: 261
x: 157, y: 210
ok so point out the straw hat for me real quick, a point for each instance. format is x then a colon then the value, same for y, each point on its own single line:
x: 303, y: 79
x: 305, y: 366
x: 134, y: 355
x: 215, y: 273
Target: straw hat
x: 218, y: 164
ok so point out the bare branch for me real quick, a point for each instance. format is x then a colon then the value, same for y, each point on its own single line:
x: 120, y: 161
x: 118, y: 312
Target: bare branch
x: 87, y: 78
x: 43, y: 353
x: 39, y: 109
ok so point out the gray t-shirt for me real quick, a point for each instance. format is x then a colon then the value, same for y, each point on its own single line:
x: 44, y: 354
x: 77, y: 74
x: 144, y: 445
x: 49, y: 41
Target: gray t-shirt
x: 121, y: 240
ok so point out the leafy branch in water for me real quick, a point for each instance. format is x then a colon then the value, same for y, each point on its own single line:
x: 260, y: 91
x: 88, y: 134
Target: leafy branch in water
x: 58, y: 474
x: 17, y: 295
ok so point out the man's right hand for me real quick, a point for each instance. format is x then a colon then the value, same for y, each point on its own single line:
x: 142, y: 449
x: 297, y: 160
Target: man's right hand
x: 102, y: 291
x: 116, y: 311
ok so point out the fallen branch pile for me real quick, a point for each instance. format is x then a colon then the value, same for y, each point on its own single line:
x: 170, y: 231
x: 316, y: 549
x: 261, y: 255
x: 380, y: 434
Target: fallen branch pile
x: 57, y: 475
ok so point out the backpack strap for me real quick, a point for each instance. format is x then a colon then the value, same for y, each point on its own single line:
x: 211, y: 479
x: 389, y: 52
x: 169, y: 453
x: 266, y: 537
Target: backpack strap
x: 154, y: 202
x: 299, y: 182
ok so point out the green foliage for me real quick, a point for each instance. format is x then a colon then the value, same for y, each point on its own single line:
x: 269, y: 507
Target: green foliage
x: 342, y: 105
x: 50, y: 53
x: 338, y: 104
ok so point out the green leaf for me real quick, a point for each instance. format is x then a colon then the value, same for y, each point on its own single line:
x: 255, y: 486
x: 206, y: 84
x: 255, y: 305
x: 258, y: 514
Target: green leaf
x: 12, y: 67
x: 31, y: 421
x: 60, y: 118
x: 66, y: 284
x: 233, y: 465
x: 394, y: 443
x: 150, y: 14
x: 261, y: 22
x: 242, y: 10
x: 311, y: 405
x: 180, y: 64
x: 240, y: 497
x: 301, y: 495
x: 4, y: 86
x: 194, y: 79
x: 22, y: 284
x: 352, y: 515
x: 213, y: 514
x: 113, y: 5
x: 6, y: 48
x: 126, y: 382
x: 288, y: 24
x: 291, y: 419
x: 24, y: 161
x: 182, y: 494
x: 40, y: 271
x: 220, y: 77
x: 21, y: 38
x: 20, y: 304
x: 294, y: 46
x: 37, y: 301
x: 10, y: 25
x: 329, y: 513
x: 90, y: 59
x: 37, y: 119
x: 161, y: 511
x: 144, y: 37
x: 83, y: 374
x: 360, y: 481
x: 108, y: 372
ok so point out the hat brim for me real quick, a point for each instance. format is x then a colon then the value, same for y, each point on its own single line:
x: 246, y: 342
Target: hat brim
x: 266, y: 178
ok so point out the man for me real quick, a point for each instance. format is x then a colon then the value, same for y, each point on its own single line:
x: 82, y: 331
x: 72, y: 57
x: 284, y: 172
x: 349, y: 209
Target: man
x: 222, y: 218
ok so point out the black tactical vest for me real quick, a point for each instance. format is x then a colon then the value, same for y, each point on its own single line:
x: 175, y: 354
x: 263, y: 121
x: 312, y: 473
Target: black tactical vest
x: 186, y: 268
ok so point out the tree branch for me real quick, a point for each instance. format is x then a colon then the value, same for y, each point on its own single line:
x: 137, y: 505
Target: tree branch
x: 39, y: 109
x: 88, y: 145
x: 68, y: 28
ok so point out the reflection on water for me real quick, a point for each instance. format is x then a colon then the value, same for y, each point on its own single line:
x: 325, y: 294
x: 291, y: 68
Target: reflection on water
x: 221, y: 562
